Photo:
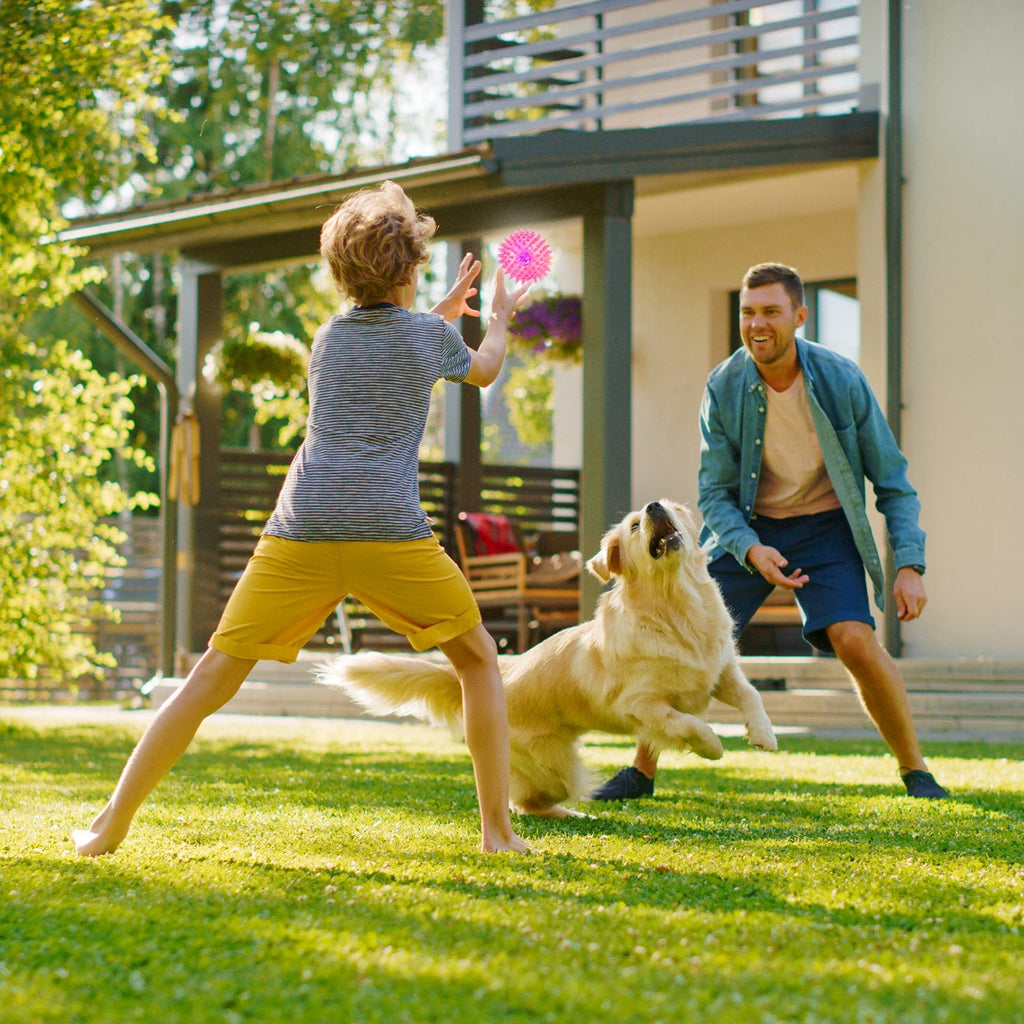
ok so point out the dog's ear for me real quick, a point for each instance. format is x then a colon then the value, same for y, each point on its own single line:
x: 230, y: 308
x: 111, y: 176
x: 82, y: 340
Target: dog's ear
x: 606, y: 562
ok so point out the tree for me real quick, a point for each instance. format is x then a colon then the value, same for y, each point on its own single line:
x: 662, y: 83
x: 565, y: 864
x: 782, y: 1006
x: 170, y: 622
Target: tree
x: 268, y: 89
x: 259, y: 90
x: 74, y: 93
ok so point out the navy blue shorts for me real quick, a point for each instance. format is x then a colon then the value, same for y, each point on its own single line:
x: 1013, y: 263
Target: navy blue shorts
x: 822, y: 546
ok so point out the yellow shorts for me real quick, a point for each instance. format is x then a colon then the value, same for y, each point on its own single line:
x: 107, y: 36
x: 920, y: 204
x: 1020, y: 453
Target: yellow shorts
x: 290, y: 587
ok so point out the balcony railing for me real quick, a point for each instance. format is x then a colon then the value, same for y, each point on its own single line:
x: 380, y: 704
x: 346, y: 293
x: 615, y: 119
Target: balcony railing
x: 596, y: 66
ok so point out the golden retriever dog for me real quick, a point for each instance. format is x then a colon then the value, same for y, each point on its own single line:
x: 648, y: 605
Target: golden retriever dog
x: 658, y: 648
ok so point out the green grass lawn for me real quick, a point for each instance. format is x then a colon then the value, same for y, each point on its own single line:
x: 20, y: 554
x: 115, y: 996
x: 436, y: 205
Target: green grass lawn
x: 327, y: 871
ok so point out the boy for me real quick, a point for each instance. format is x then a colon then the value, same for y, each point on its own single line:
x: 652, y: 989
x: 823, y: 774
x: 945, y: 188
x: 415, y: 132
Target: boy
x: 348, y: 519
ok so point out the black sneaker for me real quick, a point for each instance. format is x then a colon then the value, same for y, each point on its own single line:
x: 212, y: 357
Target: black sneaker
x: 626, y: 784
x: 922, y: 784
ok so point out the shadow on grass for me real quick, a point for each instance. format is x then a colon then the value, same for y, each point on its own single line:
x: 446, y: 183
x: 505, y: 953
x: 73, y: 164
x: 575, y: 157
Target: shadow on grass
x: 868, y: 746
x: 724, y: 864
x: 440, y: 938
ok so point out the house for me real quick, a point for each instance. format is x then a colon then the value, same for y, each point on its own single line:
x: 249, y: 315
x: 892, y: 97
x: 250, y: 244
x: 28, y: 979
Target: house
x: 664, y: 146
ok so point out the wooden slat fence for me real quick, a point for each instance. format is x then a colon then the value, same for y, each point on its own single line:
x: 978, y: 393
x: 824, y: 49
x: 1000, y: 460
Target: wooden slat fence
x: 538, y: 499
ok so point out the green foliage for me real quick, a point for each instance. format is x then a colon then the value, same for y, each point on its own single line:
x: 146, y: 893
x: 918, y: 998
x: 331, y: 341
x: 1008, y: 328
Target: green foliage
x: 269, y: 89
x: 73, y: 98
x: 530, y: 398
x: 60, y: 423
x: 338, y: 862
x: 269, y: 371
x: 65, y: 133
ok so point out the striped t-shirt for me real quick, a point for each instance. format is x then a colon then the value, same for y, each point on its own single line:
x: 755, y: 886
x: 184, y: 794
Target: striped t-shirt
x: 355, y: 475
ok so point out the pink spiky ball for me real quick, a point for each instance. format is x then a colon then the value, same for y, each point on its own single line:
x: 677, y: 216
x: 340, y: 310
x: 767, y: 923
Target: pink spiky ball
x: 525, y: 256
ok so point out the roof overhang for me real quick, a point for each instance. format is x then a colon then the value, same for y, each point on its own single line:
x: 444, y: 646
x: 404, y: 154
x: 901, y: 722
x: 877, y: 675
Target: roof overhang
x: 261, y: 211
x: 526, y: 179
x: 685, y: 149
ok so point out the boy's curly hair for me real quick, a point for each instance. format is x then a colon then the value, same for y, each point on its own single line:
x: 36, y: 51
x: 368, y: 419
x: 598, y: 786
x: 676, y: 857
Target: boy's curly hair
x: 373, y: 240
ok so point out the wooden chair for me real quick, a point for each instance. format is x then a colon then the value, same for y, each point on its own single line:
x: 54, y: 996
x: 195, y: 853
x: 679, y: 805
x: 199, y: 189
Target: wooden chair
x: 538, y: 593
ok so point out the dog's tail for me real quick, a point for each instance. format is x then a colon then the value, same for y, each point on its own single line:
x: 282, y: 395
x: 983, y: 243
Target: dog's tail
x: 395, y: 684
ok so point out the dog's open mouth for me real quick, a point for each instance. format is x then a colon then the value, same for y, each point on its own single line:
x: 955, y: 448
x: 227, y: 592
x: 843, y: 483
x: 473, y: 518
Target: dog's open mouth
x: 665, y: 537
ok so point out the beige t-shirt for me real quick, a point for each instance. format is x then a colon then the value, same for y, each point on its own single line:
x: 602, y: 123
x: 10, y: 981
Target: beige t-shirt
x: 793, y: 480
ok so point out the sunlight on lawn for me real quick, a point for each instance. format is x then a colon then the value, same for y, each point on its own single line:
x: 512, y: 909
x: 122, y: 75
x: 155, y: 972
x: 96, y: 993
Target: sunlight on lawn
x: 326, y: 870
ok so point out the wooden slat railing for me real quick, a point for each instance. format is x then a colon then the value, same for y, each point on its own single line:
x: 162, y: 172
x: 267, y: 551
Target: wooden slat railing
x: 642, y: 63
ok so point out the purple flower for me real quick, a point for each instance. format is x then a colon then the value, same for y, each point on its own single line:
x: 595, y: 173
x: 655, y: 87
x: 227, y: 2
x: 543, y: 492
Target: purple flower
x: 552, y: 325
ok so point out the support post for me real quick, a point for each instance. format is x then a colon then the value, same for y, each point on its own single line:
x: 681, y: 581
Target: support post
x: 606, y: 478
x: 465, y: 446
x: 199, y: 327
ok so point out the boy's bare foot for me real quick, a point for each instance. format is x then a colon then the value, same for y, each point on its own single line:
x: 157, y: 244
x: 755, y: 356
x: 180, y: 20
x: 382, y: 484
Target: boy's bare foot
x: 99, y: 838
x: 509, y: 844
x: 95, y: 844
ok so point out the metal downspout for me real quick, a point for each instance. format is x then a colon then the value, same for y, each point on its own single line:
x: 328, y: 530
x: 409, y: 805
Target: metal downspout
x: 894, y: 272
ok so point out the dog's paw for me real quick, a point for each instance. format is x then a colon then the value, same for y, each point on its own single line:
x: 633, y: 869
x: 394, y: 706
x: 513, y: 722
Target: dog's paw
x: 762, y: 737
x: 568, y: 812
x: 557, y: 811
x: 709, y: 746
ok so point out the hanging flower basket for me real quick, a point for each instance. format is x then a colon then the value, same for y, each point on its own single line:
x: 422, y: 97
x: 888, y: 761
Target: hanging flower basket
x: 551, y: 327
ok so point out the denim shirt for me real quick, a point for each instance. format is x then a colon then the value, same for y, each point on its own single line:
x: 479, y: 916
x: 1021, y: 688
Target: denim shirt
x: 855, y: 439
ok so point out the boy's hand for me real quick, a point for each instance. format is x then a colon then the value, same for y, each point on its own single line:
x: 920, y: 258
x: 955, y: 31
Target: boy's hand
x: 504, y: 303
x: 456, y: 302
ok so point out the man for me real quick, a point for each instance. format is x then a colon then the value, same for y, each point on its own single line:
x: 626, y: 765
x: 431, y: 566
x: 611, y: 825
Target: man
x: 789, y: 432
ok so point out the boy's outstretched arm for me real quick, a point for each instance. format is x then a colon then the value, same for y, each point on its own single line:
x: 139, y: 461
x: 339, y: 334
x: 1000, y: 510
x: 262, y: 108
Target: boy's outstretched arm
x: 487, y: 359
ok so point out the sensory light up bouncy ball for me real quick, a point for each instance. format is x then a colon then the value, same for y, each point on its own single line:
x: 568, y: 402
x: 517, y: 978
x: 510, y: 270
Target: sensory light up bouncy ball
x: 525, y: 256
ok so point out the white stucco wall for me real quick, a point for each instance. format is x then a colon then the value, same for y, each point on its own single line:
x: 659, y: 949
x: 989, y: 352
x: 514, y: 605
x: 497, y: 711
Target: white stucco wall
x: 963, y: 428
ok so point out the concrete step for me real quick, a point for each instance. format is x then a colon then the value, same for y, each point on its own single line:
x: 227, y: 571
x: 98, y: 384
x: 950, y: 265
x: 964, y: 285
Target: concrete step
x: 951, y: 700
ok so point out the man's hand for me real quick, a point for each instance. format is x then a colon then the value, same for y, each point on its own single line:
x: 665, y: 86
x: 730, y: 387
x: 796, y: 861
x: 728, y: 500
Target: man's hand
x: 770, y: 562
x: 909, y: 593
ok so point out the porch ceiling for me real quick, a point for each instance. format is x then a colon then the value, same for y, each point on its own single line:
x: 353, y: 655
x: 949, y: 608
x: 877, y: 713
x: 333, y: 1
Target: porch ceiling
x: 669, y: 204
x: 529, y: 179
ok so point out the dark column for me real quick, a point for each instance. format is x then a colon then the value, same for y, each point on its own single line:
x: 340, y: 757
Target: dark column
x: 894, y: 183
x: 470, y: 418
x: 199, y: 327
x: 606, y: 477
